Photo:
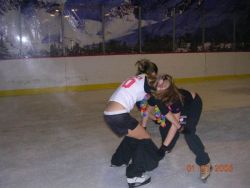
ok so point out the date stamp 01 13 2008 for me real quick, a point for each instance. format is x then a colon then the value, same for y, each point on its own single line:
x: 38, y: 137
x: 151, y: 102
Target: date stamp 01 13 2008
x: 219, y: 168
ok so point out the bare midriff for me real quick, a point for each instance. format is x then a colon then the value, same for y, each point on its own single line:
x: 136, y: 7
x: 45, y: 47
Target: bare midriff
x: 114, y: 106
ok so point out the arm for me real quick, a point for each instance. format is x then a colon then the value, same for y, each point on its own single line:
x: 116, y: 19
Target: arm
x: 174, y: 119
x: 146, y: 116
x: 168, y: 114
x: 148, y: 113
x: 172, y: 131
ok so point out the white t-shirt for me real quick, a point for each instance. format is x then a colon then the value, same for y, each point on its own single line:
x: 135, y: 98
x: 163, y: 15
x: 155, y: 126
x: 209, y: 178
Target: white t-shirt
x: 130, y: 91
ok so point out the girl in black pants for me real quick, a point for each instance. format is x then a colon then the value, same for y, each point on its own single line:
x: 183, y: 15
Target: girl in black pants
x: 187, y: 106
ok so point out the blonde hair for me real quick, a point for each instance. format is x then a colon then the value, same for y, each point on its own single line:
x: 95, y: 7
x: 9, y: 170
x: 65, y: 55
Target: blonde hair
x: 169, y: 95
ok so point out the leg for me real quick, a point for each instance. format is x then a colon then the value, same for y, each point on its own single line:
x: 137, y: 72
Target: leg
x: 194, y: 142
x: 196, y: 146
x: 135, y: 135
x: 139, y: 133
x: 128, y: 145
x: 144, y: 159
x: 123, y: 153
x: 192, y: 139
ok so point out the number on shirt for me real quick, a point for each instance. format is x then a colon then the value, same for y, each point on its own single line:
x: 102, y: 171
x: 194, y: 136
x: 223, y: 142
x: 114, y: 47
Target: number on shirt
x: 129, y: 82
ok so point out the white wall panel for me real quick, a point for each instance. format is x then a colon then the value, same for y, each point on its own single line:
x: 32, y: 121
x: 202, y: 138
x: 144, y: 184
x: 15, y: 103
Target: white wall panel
x: 73, y: 71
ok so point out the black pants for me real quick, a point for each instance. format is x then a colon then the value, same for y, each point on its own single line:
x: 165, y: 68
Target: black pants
x: 139, y: 155
x: 194, y: 142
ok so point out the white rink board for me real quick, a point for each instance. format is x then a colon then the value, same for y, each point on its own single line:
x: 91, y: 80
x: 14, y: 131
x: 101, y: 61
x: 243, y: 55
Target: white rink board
x: 87, y: 70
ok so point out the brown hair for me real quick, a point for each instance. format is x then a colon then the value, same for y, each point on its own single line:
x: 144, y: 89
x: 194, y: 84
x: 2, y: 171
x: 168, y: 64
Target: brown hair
x: 145, y: 66
x: 171, y: 94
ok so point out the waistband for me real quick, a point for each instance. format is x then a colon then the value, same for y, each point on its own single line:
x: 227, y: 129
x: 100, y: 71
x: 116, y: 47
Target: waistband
x: 115, y: 112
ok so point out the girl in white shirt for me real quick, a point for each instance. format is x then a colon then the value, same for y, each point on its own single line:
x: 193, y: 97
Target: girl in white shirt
x: 137, y: 144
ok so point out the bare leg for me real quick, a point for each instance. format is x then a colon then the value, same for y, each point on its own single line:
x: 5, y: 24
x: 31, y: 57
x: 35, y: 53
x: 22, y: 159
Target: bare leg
x: 139, y: 133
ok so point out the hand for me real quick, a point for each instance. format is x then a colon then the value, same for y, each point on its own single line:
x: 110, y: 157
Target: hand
x: 181, y: 129
x: 144, y: 126
x: 183, y: 120
x: 162, y: 151
x: 156, y: 122
x: 178, y: 126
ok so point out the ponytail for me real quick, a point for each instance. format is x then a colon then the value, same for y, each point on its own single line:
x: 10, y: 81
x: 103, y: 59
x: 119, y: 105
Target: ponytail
x: 145, y: 66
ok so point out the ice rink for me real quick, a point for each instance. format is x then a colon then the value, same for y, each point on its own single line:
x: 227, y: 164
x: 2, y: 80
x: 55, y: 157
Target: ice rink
x: 61, y: 141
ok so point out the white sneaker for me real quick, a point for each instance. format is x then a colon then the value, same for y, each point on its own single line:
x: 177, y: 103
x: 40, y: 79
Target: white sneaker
x: 138, y: 181
x: 123, y: 165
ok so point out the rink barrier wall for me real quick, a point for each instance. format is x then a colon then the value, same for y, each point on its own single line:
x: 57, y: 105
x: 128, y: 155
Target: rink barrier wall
x: 51, y: 75
x: 80, y: 88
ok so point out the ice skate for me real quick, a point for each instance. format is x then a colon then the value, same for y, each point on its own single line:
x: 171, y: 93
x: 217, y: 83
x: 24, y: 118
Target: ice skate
x: 122, y: 165
x: 205, y: 171
x: 138, y: 181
